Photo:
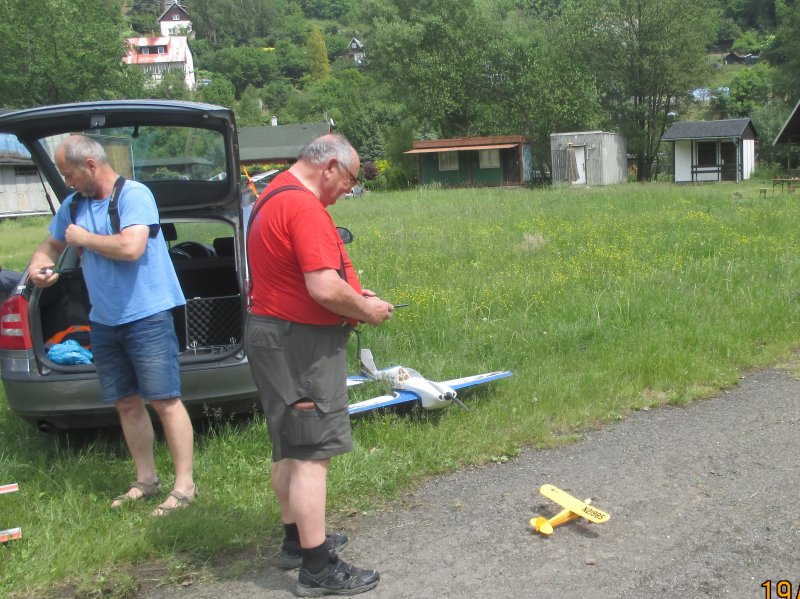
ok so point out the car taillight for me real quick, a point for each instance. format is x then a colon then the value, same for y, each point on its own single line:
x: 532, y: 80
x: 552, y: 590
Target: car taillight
x: 14, y: 330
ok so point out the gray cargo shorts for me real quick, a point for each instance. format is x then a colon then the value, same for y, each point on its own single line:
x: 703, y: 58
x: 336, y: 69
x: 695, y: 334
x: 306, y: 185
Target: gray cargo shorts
x: 294, y: 363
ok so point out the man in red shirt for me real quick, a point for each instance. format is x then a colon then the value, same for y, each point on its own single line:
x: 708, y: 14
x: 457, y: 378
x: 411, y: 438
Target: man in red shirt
x: 305, y: 297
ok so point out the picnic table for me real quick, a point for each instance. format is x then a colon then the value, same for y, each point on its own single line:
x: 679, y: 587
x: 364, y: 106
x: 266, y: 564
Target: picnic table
x: 791, y: 183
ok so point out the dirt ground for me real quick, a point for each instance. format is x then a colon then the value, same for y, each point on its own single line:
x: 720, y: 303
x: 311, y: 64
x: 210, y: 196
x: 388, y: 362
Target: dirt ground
x: 701, y: 500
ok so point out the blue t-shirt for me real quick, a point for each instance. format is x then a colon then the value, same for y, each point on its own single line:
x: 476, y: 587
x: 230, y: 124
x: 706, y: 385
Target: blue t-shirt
x: 122, y: 291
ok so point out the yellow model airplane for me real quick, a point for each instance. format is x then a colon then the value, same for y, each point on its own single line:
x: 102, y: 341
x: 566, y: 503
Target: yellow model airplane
x: 573, y: 508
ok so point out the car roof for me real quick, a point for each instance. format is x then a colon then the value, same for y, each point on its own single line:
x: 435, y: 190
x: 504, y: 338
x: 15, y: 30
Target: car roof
x: 62, y: 118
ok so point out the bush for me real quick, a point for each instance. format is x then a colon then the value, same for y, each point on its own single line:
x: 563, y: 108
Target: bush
x: 767, y: 171
x: 386, y: 176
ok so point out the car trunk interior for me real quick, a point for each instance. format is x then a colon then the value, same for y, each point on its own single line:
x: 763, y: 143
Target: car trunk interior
x: 208, y: 325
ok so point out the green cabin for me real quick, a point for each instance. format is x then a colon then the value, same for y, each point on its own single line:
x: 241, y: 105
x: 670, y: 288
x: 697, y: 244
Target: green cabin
x: 494, y: 161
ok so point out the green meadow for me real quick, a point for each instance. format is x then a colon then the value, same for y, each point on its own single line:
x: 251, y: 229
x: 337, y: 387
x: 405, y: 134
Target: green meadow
x: 601, y: 301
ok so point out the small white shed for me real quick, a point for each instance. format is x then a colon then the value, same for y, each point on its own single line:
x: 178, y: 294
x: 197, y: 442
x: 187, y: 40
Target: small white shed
x: 722, y: 150
x: 588, y: 158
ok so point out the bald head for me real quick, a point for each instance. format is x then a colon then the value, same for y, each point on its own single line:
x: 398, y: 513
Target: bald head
x: 327, y: 147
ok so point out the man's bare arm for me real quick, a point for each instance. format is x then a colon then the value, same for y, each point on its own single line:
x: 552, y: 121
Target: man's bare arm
x: 332, y: 292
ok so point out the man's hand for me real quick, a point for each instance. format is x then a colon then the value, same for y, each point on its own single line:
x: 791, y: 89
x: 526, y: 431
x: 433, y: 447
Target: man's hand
x: 76, y: 235
x: 378, y: 311
x: 42, y: 274
x: 330, y: 290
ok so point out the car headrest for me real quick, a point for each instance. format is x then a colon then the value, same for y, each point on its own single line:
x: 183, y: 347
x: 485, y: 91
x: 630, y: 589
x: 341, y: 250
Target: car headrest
x: 224, y: 246
x: 169, y: 231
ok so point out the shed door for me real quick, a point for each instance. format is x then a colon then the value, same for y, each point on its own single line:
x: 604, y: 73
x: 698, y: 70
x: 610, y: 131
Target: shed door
x: 727, y: 154
x: 580, y: 158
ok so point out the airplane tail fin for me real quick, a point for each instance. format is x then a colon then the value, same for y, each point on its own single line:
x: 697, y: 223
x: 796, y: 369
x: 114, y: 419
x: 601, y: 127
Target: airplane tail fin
x: 368, y: 363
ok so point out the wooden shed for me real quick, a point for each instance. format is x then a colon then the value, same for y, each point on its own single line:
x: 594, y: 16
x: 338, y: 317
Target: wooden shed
x: 713, y: 150
x: 589, y: 158
x: 790, y: 133
x: 498, y: 160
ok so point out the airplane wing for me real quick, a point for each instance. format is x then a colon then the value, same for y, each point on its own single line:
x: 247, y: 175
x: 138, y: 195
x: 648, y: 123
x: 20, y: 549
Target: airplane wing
x: 476, y: 379
x: 401, y: 396
x: 396, y: 398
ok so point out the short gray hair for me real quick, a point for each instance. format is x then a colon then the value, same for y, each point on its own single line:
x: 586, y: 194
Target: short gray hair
x: 326, y: 147
x: 77, y: 148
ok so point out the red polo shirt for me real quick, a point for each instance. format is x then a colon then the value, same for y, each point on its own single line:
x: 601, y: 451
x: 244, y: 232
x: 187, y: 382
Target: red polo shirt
x: 293, y: 234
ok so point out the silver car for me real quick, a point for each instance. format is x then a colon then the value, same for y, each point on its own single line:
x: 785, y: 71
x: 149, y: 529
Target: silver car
x: 177, y: 149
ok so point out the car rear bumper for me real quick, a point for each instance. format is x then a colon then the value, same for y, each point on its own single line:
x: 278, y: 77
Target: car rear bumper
x: 62, y: 401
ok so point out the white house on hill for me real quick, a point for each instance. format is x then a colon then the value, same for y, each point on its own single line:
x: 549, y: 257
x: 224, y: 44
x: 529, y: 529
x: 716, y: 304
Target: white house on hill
x: 175, y: 21
x: 157, y: 55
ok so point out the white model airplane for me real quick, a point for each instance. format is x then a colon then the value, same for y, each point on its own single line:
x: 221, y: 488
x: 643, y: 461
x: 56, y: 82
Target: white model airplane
x: 410, y: 386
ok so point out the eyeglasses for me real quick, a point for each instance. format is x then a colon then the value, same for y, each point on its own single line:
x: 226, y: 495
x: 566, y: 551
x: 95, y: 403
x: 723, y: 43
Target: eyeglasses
x: 353, y: 178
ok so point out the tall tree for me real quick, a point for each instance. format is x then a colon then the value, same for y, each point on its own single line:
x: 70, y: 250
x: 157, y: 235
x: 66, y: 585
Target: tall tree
x: 784, y: 52
x: 218, y: 91
x: 244, y: 66
x: 645, y: 55
x: 319, y: 68
x: 535, y: 87
x: 234, y: 22
x: 53, y: 53
x: 431, y: 56
x: 143, y: 16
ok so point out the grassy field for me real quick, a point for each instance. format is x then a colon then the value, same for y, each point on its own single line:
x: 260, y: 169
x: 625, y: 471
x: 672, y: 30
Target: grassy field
x: 601, y: 301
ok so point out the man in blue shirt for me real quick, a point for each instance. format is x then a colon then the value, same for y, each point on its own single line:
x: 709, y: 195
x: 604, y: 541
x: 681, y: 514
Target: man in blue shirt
x: 132, y: 287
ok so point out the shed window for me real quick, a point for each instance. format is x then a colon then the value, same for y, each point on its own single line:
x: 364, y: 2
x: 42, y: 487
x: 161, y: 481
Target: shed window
x: 24, y: 171
x: 707, y: 153
x: 448, y: 161
x: 489, y: 158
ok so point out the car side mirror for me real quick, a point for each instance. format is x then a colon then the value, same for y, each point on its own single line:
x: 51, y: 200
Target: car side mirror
x: 344, y: 234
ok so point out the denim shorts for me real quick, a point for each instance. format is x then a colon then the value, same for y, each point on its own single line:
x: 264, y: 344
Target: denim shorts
x: 294, y: 363
x: 137, y: 358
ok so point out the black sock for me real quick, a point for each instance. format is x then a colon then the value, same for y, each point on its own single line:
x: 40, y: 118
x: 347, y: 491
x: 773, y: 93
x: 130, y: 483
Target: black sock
x: 291, y: 533
x: 317, y: 558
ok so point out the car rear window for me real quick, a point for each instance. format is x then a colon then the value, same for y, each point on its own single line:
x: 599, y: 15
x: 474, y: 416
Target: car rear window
x: 146, y: 153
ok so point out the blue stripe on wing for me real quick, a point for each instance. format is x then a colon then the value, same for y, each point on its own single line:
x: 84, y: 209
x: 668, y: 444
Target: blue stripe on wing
x: 397, y: 397
x: 477, y: 379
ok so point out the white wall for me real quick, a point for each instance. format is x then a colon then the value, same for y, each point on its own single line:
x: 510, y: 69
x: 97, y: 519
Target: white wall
x: 683, y: 160
x: 749, y: 158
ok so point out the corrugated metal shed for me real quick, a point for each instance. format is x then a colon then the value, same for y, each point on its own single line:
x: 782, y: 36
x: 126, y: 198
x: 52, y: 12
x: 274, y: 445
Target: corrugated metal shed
x: 588, y: 158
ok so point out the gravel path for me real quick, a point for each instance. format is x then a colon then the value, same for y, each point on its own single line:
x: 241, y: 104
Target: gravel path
x: 701, y: 500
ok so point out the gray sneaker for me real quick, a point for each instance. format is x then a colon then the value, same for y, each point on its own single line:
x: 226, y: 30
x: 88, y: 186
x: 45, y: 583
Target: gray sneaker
x: 292, y: 554
x: 339, y: 578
